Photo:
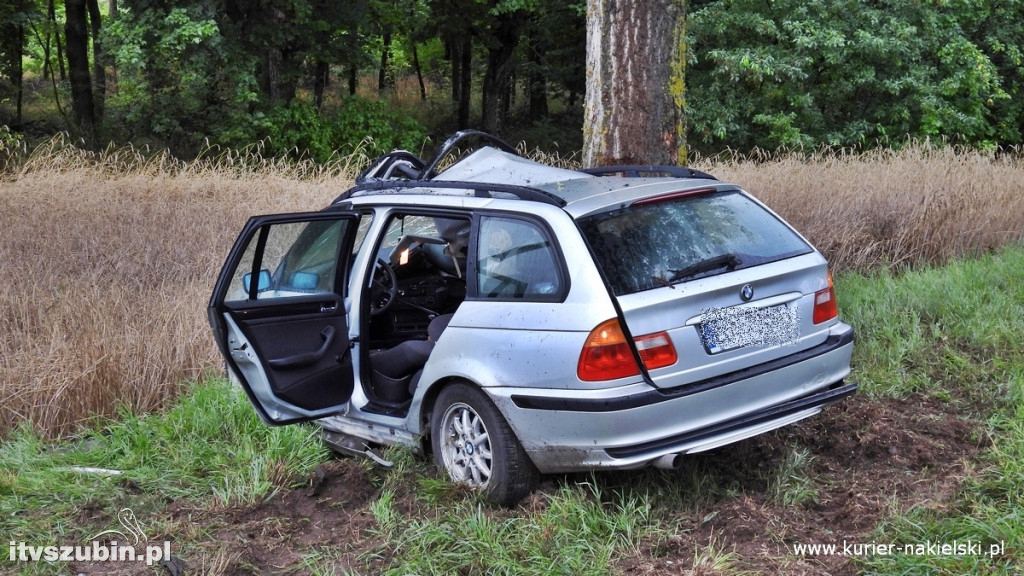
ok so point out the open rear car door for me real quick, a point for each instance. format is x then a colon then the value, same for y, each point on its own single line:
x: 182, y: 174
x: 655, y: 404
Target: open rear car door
x: 279, y: 317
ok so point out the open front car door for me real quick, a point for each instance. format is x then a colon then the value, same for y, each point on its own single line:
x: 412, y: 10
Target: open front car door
x: 278, y: 314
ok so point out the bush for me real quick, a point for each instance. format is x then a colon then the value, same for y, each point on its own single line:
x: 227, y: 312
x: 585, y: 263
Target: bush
x: 10, y: 144
x: 299, y: 130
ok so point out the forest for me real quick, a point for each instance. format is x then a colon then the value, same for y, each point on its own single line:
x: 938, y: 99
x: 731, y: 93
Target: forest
x: 315, y: 78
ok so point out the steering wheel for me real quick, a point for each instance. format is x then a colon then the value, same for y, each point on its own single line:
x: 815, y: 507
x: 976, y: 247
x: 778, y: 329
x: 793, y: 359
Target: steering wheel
x: 383, y: 288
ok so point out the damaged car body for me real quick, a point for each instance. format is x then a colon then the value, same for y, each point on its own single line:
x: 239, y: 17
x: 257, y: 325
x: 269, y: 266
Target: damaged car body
x: 515, y: 318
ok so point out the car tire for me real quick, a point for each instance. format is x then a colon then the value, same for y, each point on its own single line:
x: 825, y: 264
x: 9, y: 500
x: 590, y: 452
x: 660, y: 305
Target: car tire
x: 474, y: 445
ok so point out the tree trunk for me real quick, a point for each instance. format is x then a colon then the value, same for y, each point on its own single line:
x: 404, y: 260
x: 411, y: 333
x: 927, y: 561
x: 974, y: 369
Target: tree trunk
x: 99, y: 76
x: 51, y: 13
x: 419, y: 71
x: 498, y: 76
x: 636, y: 59
x: 44, y: 41
x: 454, y: 50
x: 17, y: 70
x: 75, y: 30
x: 461, y: 54
x: 385, y: 60
x: 277, y: 74
x: 321, y: 76
x: 353, y: 80
x: 538, y: 88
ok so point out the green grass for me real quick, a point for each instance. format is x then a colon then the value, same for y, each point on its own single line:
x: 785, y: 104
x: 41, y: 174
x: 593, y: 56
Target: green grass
x: 791, y: 484
x: 954, y: 333
x: 954, y: 330
x: 988, y: 512
x: 210, y: 446
x: 574, y: 531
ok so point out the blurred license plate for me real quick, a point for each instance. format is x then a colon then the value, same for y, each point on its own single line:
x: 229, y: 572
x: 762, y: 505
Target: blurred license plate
x: 723, y: 329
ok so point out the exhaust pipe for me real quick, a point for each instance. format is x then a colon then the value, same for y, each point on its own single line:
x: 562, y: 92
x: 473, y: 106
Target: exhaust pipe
x: 669, y: 462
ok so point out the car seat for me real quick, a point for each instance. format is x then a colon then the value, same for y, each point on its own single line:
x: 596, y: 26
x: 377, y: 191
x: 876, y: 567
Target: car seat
x: 395, y: 371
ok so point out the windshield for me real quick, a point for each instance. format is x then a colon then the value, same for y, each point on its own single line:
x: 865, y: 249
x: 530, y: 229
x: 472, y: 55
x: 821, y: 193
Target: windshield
x: 666, y: 242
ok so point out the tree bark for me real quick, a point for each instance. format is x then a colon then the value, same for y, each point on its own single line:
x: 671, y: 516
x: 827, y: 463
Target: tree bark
x: 538, y: 88
x: 419, y: 71
x: 17, y: 69
x: 460, y: 52
x: 76, y: 33
x: 636, y: 58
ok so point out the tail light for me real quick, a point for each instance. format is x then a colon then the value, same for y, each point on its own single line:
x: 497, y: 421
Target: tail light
x: 607, y: 355
x: 825, y: 305
x: 656, y: 350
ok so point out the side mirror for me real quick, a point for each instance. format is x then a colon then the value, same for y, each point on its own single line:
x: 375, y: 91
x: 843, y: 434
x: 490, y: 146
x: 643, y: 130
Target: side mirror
x: 262, y: 283
x: 305, y: 281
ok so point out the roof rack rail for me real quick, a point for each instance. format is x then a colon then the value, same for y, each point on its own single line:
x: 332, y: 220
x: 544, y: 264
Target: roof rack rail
x: 641, y: 170
x: 479, y: 189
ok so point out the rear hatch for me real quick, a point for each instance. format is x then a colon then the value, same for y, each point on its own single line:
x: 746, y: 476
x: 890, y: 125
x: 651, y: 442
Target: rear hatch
x: 716, y: 274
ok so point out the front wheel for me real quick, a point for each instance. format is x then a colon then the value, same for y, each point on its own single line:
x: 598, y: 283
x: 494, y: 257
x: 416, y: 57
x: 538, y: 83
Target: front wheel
x: 475, y: 446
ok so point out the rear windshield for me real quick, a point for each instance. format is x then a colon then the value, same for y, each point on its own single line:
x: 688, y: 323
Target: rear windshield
x: 667, y: 242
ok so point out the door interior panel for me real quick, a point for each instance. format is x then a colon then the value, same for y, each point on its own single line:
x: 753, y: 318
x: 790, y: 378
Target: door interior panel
x: 307, y: 357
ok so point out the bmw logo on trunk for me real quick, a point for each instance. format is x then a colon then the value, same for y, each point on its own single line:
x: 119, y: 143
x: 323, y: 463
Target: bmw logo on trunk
x: 747, y: 292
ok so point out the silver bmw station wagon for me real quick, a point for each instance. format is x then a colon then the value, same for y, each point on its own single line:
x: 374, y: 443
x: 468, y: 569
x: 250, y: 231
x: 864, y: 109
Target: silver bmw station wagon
x: 515, y: 318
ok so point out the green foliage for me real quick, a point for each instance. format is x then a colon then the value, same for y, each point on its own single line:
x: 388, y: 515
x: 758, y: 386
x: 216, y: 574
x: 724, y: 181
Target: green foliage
x: 179, y: 80
x: 359, y: 118
x: 9, y: 141
x: 299, y: 130
x: 794, y: 73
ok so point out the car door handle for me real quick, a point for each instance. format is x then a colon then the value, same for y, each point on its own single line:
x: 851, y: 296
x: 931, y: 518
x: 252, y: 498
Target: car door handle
x: 306, y: 358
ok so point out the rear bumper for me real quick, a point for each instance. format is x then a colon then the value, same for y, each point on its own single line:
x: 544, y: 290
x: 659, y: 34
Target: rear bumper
x: 635, y: 425
x: 768, y: 418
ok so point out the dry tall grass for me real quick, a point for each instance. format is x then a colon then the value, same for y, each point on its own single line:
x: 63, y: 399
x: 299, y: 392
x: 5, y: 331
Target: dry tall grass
x: 888, y: 208
x: 107, y: 260
x: 107, y: 263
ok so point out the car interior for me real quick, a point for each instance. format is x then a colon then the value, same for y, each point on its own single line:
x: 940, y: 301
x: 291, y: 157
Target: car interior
x: 419, y: 282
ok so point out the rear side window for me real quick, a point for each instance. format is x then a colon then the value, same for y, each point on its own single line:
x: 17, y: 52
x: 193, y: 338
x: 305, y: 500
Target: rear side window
x: 516, y: 261
x: 666, y: 242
